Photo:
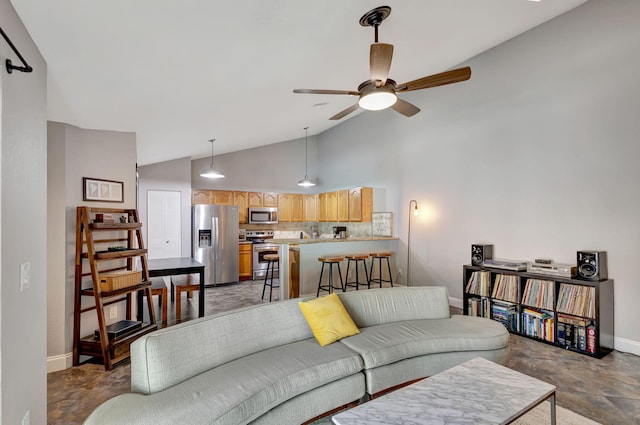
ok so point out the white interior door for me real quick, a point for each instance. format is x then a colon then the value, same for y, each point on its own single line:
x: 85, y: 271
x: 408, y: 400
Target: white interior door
x: 163, y: 224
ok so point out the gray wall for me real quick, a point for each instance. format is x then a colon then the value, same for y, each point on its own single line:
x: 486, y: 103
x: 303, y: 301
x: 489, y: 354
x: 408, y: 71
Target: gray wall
x: 536, y: 154
x: 23, y: 174
x: 75, y: 153
x: 277, y: 167
x: 171, y: 176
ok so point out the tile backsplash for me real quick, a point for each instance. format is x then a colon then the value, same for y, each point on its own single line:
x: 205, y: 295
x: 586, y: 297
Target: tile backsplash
x: 292, y: 230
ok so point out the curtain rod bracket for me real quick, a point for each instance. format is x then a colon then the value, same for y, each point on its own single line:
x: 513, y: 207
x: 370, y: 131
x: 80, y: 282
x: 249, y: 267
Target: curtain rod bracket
x: 10, y: 66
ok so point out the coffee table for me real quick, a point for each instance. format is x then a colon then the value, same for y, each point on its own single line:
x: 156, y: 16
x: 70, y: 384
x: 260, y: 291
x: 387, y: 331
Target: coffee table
x: 475, y: 392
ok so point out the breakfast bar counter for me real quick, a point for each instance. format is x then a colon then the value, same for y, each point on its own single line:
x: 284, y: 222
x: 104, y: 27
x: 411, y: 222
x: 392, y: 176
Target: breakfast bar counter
x: 307, y: 267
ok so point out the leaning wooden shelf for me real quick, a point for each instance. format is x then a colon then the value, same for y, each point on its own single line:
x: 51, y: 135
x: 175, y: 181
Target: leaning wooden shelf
x: 114, y: 350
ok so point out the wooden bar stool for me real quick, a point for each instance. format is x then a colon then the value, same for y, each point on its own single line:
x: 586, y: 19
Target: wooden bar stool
x: 189, y: 285
x: 159, y: 288
x: 272, y: 260
x: 379, y: 256
x: 330, y: 260
x: 357, y: 258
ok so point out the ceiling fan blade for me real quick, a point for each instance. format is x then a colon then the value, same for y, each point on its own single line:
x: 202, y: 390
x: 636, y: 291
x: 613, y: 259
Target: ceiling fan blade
x: 344, y: 113
x: 405, y: 108
x: 380, y: 62
x: 447, y: 77
x: 314, y: 91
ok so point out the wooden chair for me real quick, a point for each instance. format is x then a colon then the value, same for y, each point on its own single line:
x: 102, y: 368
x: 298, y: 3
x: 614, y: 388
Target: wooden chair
x: 187, y: 285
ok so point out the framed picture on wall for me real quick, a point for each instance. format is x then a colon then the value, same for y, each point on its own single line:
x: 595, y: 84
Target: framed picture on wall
x: 102, y: 190
x: 382, y: 224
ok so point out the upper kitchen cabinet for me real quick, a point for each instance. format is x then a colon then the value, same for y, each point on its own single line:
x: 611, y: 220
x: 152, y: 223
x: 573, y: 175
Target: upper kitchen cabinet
x: 270, y: 199
x: 241, y: 200
x: 360, y: 204
x: 222, y: 197
x: 290, y: 207
x: 255, y: 199
x: 343, y: 205
x: 201, y: 197
x: 297, y: 208
x: 328, y: 206
x: 310, y: 202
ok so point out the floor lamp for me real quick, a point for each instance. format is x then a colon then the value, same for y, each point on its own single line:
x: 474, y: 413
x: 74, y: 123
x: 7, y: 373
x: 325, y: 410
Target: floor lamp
x: 415, y: 212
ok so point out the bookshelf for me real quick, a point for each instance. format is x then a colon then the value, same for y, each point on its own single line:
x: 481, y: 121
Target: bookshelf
x: 105, y: 272
x: 573, y: 314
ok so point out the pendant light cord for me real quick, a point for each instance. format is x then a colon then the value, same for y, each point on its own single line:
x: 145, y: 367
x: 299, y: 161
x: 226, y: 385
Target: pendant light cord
x: 212, y: 140
x: 306, y: 151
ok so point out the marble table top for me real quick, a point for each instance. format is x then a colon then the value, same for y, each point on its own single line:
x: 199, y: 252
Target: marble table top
x: 475, y: 392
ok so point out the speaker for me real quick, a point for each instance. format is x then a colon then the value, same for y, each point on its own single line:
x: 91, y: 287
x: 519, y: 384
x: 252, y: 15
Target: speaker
x: 592, y: 265
x: 479, y: 253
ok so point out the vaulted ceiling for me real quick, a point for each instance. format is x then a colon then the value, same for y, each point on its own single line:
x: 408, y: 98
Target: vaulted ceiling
x: 178, y: 73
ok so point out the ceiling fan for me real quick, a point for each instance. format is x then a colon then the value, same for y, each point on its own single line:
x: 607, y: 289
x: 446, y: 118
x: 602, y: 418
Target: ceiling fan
x: 380, y: 92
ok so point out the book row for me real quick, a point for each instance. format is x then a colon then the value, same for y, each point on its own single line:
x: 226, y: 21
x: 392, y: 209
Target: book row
x: 560, y: 329
x: 576, y: 300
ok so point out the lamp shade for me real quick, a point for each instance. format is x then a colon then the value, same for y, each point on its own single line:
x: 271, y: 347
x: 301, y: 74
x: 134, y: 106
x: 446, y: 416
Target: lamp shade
x: 212, y: 173
x: 306, y: 182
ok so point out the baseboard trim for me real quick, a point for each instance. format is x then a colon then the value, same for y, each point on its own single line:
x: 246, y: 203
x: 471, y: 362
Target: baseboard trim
x: 627, y: 345
x: 60, y: 362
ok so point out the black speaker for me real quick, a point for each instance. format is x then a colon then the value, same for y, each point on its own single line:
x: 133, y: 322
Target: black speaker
x: 592, y: 265
x: 479, y: 253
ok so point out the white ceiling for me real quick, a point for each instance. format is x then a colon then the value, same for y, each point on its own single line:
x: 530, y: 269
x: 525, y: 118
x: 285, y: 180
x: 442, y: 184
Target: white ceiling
x: 178, y: 73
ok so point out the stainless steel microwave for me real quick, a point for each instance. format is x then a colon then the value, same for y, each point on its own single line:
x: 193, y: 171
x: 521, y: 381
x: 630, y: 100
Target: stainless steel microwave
x: 263, y: 215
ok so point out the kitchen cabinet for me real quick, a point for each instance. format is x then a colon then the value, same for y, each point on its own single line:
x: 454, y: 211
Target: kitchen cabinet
x: 322, y: 207
x: 290, y: 207
x: 328, y: 210
x: 360, y: 204
x: 342, y: 205
x: 269, y: 199
x: 199, y: 196
x: 222, y: 197
x: 297, y: 208
x: 284, y: 207
x: 245, y: 253
x: 241, y: 200
x: 255, y: 199
x: 310, y: 207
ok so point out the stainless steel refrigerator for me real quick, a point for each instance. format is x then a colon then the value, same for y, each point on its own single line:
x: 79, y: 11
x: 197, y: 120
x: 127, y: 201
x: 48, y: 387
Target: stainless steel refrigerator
x: 214, y: 242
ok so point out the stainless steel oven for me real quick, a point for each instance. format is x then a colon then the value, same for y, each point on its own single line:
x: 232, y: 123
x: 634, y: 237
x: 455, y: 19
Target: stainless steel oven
x: 259, y: 263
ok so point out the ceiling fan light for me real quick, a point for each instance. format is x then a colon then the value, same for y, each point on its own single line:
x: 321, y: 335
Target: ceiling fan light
x: 377, y: 100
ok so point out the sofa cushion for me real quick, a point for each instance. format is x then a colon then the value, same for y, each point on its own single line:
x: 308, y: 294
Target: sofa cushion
x: 171, y: 355
x: 390, y: 342
x: 240, y: 391
x: 376, y: 306
x: 328, y: 319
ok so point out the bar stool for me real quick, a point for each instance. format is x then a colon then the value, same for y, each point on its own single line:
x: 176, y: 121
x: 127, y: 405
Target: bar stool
x: 357, y: 258
x: 330, y: 260
x: 183, y: 286
x: 159, y: 288
x: 272, y: 260
x: 379, y: 256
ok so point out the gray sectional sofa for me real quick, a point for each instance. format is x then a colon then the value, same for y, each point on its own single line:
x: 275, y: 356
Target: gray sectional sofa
x: 262, y: 364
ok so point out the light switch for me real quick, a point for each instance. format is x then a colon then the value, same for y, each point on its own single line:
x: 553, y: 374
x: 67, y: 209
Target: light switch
x: 25, y: 276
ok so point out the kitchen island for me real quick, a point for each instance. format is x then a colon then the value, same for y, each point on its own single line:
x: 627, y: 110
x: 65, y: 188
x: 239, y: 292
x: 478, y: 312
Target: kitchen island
x: 307, y: 267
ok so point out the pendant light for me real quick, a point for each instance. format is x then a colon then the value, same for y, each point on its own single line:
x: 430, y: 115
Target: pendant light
x: 212, y: 172
x: 306, y: 182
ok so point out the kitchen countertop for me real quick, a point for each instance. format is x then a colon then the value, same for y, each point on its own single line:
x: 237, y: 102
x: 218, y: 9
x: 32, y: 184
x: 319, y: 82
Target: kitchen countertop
x: 324, y: 240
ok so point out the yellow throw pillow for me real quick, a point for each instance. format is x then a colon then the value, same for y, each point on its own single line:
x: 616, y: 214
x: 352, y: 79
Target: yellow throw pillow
x: 328, y: 319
